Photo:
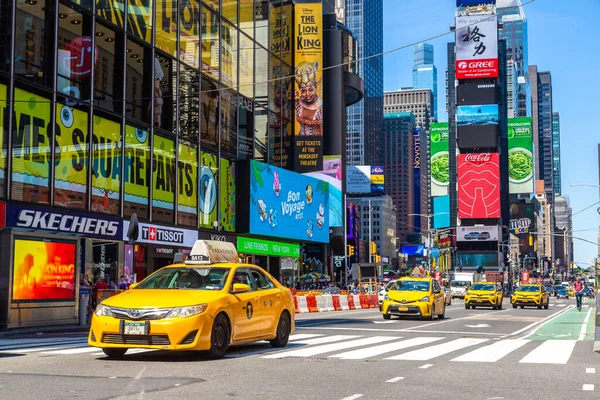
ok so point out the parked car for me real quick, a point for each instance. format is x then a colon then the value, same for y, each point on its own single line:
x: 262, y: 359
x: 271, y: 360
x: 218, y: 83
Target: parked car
x: 448, y: 296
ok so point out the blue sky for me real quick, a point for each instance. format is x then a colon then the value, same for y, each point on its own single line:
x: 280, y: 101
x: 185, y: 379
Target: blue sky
x: 562, y: 40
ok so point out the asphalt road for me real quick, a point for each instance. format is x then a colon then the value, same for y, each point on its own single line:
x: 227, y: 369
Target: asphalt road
x: 480, y: 354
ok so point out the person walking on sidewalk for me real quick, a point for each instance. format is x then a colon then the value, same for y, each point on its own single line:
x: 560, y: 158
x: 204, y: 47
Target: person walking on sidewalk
x: 578, y: 288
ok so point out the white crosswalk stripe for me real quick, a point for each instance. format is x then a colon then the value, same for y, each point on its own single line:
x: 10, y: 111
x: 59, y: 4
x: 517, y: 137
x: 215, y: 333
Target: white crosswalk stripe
x: 361, y: 354
x: 325, y: 339
x: 551, y: 352
x: 438, y: 350
x: 329, y: 348
x: 493, y: 352
x: 77, y: 350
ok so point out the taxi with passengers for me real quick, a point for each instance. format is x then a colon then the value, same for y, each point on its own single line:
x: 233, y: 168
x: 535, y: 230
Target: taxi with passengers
x: 484, y: 294
x: 207, y: 303
x: 418, y: 296
x: 532, y: 295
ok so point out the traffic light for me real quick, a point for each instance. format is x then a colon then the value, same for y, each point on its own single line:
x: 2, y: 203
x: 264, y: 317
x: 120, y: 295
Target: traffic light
x: 350, y: 250
x: 530, y: 240
x: 377, y: 258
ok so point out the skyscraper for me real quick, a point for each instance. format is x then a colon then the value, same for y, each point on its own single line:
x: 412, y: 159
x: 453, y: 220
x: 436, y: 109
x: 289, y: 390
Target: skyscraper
x: 365, y: 19
x: 425, y: 73
x: 514, y: 30
x: 556, y: 153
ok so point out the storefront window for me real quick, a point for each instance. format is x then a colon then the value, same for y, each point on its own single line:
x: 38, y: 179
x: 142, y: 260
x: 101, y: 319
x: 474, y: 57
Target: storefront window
x: 189, y: 104
x: 139, y: 21
x: 76, y: 55
x: 31, y: 146
x: 105, y: 265
x: 210, y: 43
x: 31, y: 61
x: 164, y: 104
x: 262, y: 76
x: 227, y: 195
x: 208, y: 190
x: 187, y: 195
x: 247, y: 17
x: 246, y: 66
x: 163, y: 179
x: 229, y: 55
x: 230, y: 10
x: 108, y: 75
x: 106, y: 166
x: 189, y: 32
x: 209, y: 128
x: 229, y: 112
x: 166, y: 26
x: 71, y: 156
x: 136, y: 171
x: 140, y: 87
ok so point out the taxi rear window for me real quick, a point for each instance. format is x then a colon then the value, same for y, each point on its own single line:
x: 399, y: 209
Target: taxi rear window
x: 529, y: 289
x: 483, y: 286
x: 199, y: 278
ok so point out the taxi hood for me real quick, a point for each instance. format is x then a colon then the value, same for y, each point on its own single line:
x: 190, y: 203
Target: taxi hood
x: 162, y: 298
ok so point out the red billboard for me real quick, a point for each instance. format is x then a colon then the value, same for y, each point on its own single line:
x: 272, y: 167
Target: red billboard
x: 479, y: 185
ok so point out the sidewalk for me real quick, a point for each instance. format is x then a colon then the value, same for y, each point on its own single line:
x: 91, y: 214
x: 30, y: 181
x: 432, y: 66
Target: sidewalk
x: 43, y: 332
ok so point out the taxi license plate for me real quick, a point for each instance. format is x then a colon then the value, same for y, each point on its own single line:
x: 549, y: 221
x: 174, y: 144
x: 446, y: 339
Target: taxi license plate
x: 479, y: 301
x: 403, y: 308
x: 134, y: 328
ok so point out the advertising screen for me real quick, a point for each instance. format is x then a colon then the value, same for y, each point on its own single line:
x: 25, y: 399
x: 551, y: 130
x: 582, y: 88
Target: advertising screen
x: 439, y: 165
x: 478, y: 233
x: 476, y: 260
x: 332, y: 174
x: 479, y: 185
x: 477, y: 137
x: 520, y: 155
x: 43, y: 270
x: 522, y: 223
x: 288, y: 205
x: 476, y: 47
x: 441, y: 212
x: 470, y: 94
x: 365, y: 179
x: 477, y: 115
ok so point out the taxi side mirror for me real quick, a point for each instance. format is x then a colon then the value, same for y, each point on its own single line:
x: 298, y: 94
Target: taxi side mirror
x: 436, y: 291
x: 240, y: 288
x: 133, y: 285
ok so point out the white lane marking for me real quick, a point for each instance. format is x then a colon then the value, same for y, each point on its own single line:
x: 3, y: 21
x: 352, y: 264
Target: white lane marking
x: 326, y: 339
x: 588, y: 388
x: 438, y: 350
x: 551, y: 352
x: 455, y: 319
x: 426, y: 366
x: 384, y: 322
x: 79, y: 350
x: 583, y: 330
x: 129, y: 352
x: 36, y: 349
x: 361, y: 354
x: 561, y: 305
x: 539, y: 324
x: 394, y: 380
x: 353, y: 397
x: 300, y: 336
x: 493, y: 352
x: 402, y: 330
x: 590, y: 370
x: 328, y: 348
x: 478, y: 326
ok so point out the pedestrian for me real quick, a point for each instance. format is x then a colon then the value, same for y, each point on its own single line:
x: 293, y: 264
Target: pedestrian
x: 578, y: 288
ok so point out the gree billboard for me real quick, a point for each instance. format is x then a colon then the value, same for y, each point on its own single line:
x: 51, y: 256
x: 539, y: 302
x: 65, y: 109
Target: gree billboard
x: 479, y: 185
x: 520, y: 155
x: 476, y: 47
x: 439, y: 165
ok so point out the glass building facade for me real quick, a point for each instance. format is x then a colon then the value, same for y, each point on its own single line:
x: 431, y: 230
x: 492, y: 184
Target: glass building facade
x: 556, y: 153
x: 425, y: 73
x: 545, y: 132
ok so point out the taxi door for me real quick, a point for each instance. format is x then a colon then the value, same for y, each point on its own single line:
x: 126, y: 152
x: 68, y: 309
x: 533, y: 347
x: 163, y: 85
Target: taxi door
x: 245, y: 307
x: 269, y: 301
x: 438, y: 296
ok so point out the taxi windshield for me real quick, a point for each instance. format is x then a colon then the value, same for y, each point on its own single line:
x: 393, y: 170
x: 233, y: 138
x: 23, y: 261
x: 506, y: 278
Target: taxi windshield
x: 196, y: 278
x: 411, y: 286
x: 528, y: 289
x: 483, y: 286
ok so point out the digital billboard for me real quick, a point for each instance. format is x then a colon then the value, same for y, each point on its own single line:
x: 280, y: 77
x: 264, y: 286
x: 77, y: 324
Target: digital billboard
x: 365, y: 179
x: 477, y: 137
x: 441, y: 212
x: 288, y: 205
x: 43, y: 270
x: 479, y: 185
x: 416, y: 160
x: 332, y: 174
x: 471, y: 94
x: 522, y: 224
x: 476, y: 260
x: 477, y: 115
x: 520, y: 155
x: 439, y: 165
x: 476, y: 47
x: 478, y: 233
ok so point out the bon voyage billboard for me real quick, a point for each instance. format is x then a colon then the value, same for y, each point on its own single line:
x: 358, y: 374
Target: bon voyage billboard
x: 520, y: 155
x: 440, y: 159
x: 476, y: 47
x: 479, y: 185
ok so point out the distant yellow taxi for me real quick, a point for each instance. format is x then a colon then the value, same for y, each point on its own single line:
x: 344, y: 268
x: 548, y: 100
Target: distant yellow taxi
x: 413, y: 296
x: 531, y: 295
x: 207, y: 303
x: 484, y: 294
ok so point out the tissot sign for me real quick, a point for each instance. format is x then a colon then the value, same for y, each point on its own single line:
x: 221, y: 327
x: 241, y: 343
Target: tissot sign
x: 164, y: 235
x: 40, y: 219
x: 476, y: 47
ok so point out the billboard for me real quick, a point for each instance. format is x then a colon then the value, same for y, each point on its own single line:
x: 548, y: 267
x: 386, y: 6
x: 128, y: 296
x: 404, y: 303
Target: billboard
x: 417, y: 177
x: 439, y: 165
x: 441, y: 212
x: 477, y: 47
x: 479, y: 185
x: 470, y: 94
x: 308, y: 134
x: 472, y: 3
x: 520, y: 155
x: 365, y: 179
x: 475, y: 260
x: 478, y: 233
x: 340, y: 11
x: 332, y: 174
x: 43, y: 270
x: 522, y: 224
x: 287, y: 205
x: 477, y: 115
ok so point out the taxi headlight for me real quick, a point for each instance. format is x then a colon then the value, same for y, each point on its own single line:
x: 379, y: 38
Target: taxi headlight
x: 103, y: 311
x: 424, y: 299
x: 184, y: 312
x: 386, y: 297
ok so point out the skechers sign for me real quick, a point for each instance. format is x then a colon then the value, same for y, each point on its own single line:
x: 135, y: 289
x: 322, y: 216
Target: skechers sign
x: 40, y: 219
x: 287, y: 205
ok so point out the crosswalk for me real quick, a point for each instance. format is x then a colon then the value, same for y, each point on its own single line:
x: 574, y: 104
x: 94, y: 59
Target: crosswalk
x: 358, y: 347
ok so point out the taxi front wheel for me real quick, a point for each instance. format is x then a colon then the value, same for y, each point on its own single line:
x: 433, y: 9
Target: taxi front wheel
x: 283, y: 332
x: 219, y: 338
x: 114, y: 353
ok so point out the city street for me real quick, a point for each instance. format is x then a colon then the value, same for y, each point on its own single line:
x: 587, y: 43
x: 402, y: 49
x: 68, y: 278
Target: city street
x: 472, y: 354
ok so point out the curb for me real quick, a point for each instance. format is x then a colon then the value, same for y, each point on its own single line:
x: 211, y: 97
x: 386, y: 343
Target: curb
x: 38, y: 332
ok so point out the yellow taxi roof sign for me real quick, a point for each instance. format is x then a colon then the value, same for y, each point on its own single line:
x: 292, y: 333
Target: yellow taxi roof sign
x: 212, y: 251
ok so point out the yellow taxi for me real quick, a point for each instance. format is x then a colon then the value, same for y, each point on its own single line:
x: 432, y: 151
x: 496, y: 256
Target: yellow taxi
x: 531, y: 295
x: 414, y: 296
x: 206, y: 303
x: 571, y: 291
x: 484, y: 294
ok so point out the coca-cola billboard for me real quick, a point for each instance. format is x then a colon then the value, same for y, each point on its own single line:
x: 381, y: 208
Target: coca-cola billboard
x: 479, y: 185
